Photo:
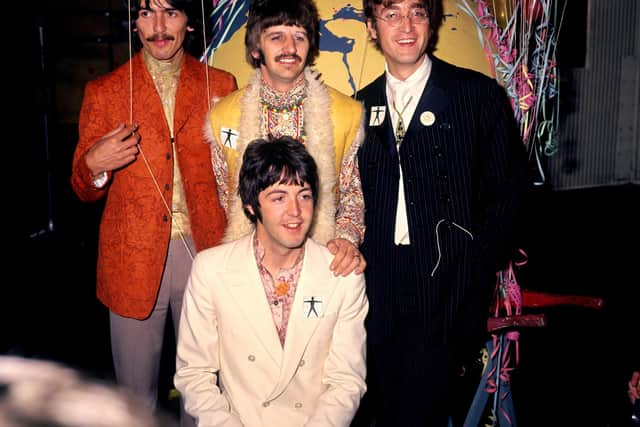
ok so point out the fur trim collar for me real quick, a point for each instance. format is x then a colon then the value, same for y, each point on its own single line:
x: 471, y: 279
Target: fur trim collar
x: 319, y: 132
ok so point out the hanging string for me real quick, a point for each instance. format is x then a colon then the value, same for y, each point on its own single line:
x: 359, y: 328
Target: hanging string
x: 139, y: 146
x: 203, y: 58
x: 364, y: 57
x: 130, y: 63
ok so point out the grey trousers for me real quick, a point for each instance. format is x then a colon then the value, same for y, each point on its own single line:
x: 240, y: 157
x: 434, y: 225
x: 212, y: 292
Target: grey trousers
x: 136, y: 345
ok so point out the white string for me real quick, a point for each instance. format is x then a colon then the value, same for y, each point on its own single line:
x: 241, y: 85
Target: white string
x: 364, y: 57
x: 438, y: 242
x: 130, y: 63
x: 144, y: 157
x: 204, y: 54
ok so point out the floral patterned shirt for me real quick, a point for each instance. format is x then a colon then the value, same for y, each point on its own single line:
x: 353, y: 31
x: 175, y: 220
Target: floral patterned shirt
x: 279, y: 290
x: 283, y: 114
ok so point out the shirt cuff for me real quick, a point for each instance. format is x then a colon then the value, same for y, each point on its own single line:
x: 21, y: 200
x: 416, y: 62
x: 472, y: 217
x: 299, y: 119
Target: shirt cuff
x: 348, y: 232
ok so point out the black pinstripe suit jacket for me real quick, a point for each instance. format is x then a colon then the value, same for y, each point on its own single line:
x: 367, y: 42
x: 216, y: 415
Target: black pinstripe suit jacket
x: 463, y: 171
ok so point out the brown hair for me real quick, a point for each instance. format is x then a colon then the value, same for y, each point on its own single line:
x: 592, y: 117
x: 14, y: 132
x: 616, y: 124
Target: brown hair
x: 268, y: 13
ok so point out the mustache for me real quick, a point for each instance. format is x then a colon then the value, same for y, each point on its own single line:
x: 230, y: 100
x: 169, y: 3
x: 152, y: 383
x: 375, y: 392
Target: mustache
x: 160, y: 37
x: 294, y: 55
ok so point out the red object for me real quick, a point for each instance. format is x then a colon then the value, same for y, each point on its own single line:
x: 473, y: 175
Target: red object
x: 525, y: 320
x: 541, y: 299
x: 531, y: 10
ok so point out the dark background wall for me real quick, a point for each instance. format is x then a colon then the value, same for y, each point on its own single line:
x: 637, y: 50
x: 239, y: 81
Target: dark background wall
x: 581, y: 235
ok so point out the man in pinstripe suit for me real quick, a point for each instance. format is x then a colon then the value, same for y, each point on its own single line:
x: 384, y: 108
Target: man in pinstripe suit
x: 442, y: 171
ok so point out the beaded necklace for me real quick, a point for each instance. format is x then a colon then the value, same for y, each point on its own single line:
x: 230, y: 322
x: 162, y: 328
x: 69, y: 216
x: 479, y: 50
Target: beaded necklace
x: 282, y: 113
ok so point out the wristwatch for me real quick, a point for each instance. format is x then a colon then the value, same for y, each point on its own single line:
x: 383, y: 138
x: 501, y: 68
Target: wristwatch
x: 100, y: 180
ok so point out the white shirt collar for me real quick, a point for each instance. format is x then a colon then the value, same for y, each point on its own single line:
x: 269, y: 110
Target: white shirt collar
x: 421, y: 74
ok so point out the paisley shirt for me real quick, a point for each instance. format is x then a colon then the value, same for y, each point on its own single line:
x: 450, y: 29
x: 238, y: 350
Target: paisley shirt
x: 279, y: 290
x: 283, y: 114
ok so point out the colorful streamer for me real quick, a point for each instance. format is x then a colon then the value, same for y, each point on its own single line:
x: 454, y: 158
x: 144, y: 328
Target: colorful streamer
x: 521, y: 48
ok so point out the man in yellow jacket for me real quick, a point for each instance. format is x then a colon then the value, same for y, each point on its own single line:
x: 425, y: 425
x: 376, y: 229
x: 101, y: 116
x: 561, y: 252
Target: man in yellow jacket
x: 285, y: 97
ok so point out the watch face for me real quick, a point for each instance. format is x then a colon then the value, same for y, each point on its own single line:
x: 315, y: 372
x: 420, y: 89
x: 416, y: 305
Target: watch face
x: 100, y: 180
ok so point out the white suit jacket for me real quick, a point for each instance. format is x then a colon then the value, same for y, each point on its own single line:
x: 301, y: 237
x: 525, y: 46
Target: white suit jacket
x: 231, y: 368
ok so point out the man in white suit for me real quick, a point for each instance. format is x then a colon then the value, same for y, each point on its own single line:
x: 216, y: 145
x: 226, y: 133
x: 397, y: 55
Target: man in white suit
x: 268, y: 335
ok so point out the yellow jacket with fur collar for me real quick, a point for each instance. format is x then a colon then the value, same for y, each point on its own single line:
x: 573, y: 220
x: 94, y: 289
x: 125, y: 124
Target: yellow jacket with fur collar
x: 334, y: 130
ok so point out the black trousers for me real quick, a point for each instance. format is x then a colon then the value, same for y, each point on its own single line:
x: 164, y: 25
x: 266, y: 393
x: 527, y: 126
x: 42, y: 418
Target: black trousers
x: 412, y: 378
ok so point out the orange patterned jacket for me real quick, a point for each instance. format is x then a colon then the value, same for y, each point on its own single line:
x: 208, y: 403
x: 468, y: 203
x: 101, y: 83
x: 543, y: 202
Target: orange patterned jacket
x: 135, y: 226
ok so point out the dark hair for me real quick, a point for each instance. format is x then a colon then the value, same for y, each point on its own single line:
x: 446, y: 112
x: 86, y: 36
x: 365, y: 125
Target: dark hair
x: 193, y: 41
x: 268, y: 13
x: 433, y: 8
x: 266, y: 162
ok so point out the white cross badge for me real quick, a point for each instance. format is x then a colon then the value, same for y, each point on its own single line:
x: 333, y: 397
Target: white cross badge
x: 376, y: 118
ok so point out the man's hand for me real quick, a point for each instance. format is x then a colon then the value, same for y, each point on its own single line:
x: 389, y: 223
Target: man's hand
x: 347, y: 257
x: 114, y: 150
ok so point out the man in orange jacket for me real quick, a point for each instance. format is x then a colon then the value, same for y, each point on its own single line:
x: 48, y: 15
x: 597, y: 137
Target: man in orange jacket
x: 155, y: 172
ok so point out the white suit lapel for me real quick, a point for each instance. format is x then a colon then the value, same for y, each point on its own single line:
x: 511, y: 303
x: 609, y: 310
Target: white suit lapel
x: 315, y: 281
x: 242, y: 279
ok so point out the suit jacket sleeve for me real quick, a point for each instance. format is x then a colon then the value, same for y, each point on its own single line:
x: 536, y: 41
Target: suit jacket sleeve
x: 502, y: 175
x: 91, y: 127
x: 345, y: 367
x: 197, y: 361
x: 503, y: 178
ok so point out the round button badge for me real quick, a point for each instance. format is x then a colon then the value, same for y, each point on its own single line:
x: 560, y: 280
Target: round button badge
x: 427, y: 118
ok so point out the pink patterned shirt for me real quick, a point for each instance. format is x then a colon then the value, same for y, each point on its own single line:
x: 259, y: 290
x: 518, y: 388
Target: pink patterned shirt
x: 279, y: 290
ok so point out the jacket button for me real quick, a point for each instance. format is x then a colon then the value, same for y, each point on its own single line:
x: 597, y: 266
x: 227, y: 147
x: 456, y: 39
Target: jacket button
x: 251, y: 358
x: 298, y: 405
x: 167, y: 187
x: 301, y: 363
x: 168, y: 156
x: 265, y: 404
x: 165, y: 218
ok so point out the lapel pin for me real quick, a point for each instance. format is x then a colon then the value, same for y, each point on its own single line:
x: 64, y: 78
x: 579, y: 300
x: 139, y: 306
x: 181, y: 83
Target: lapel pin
x: 229, y: 137
x: 376, y: 118
x: 427, y: 118
x: 312, y: 307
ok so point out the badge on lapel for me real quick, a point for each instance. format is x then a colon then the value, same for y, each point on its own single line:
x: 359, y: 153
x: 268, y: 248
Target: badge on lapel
x: 427, y: 118
x: 376, y: 118
x: 229, y: 137
x: 312, y: 307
